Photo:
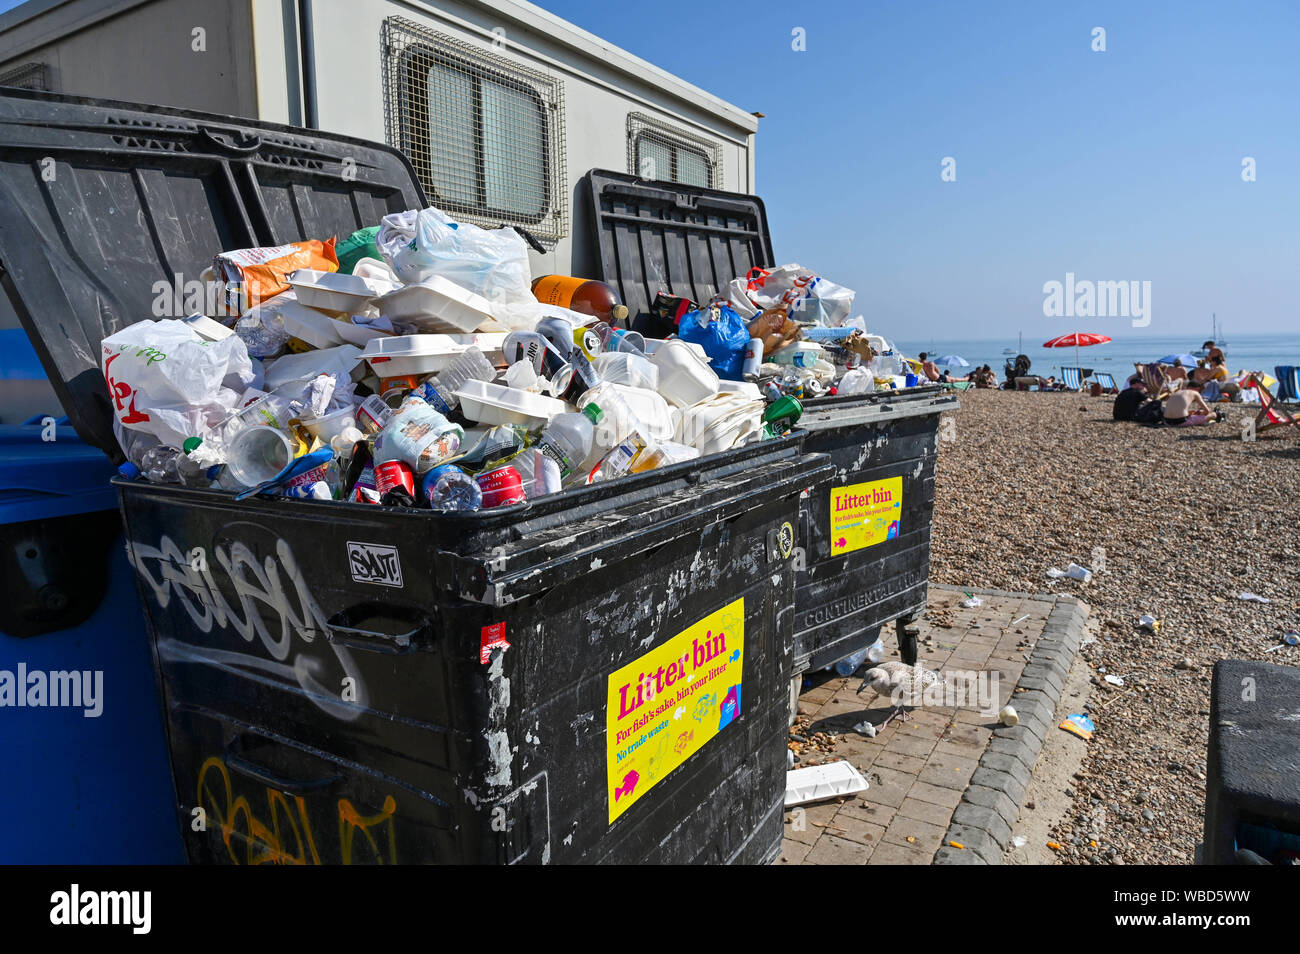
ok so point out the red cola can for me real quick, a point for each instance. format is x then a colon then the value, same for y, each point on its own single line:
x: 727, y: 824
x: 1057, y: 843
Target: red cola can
x: 393, y: 474
x: 501, y: 487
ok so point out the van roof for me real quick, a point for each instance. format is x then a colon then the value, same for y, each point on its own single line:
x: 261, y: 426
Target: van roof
x: 63, y: 17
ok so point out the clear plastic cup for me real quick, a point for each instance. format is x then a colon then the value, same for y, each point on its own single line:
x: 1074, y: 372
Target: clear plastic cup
x: 259, y: 453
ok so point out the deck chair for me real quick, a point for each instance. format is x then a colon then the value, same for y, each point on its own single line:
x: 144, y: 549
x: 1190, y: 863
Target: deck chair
x: 1271, y: 413
x: 1073, y: 378
x: 1105, y: 380
x: 1155, y: 380
x: 1288, y: 382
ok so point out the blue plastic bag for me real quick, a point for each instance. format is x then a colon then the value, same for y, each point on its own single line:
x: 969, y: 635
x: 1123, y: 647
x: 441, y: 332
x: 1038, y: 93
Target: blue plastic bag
x: 722, y: 334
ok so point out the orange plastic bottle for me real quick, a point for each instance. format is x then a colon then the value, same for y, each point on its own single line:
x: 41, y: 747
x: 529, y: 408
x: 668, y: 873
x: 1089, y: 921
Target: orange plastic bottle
x: 588, y: 296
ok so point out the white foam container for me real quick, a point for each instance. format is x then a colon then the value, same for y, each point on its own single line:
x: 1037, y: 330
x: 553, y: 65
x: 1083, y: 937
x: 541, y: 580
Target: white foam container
x: 358, y: 334
x: 314, y: 327
x: 684, y: 379
x: 820, y: 782
x: 492, y: 404
x: 398, y: 355
x: 332, y: 291
x: 437, y: 306
x: 651, y: 409
x: 331, y: 425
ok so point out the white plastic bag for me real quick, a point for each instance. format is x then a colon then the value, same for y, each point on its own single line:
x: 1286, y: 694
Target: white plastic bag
x: 489, y: 262
x: 857, y: 381
x: 165, y: 380
x: 810, y: 297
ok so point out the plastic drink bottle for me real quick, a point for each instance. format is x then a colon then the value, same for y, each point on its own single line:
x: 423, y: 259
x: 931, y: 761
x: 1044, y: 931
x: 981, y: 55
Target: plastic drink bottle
x: 440, y: 391
x: 589, y: 297
x: 567, y: 439
x: 447, y: 487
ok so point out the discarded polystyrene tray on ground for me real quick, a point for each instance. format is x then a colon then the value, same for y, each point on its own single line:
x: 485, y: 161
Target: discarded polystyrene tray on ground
x: 488, y: 403
x: 438, y: 306
x: 333, y: 291
x: 820, y: 782
x: 420, y: 355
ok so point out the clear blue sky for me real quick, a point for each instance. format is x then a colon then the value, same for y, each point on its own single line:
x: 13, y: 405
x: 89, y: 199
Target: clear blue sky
x: 1115, y: 165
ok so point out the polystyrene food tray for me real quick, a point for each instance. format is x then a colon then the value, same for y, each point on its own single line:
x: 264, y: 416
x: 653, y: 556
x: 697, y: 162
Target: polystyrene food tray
x: 489, y: 403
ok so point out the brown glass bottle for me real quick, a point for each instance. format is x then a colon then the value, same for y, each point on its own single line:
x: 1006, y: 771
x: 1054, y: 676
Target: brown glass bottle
x: 588, y: 296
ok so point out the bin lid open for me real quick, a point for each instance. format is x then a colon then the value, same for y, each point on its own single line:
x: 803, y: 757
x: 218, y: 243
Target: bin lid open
x: 108, y: 210
x: 666, y: 236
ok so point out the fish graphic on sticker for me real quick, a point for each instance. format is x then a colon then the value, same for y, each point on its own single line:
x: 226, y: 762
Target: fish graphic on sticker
x: 730, y: 708
x: 683, y: 740
x: 841, y: 543
x: 893, y: 531
x: 704, y: 706
x: 629, y: 784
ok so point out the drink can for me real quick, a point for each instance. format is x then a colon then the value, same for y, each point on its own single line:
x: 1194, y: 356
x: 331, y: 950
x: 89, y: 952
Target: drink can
x: 393, y: 474
x: 753, y: 359
x: 501, y: 487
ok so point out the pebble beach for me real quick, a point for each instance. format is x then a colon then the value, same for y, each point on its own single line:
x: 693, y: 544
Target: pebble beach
x: 1176, y: 523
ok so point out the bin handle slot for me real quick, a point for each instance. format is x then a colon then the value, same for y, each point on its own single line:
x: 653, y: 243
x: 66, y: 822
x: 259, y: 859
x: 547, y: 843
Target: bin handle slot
x: 246, y: 147
x: 341, y: 633
x: 260, y: 773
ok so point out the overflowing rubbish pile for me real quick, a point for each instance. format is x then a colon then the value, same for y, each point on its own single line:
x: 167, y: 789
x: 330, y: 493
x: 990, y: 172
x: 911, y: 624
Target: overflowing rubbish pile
x: 417, y: 363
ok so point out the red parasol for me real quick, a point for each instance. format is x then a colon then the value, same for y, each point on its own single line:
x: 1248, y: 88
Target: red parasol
x: 1076, y: 340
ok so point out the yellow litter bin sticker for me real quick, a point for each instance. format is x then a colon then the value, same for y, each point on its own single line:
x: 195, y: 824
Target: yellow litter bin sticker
x: 863, y: 515
x: 663, y: 707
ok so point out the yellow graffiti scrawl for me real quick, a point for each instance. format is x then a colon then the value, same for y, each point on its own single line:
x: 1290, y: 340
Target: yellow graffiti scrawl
x: 285, y: 837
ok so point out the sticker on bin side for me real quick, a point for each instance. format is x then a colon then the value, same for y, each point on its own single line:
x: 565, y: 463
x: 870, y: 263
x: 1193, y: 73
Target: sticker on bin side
x: 374, y: 563
x: 663, y: 707
x: 491, y: 637
x: 863, y: 515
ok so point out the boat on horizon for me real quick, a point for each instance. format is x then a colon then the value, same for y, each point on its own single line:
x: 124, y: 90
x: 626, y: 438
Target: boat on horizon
x: 1216, y: 335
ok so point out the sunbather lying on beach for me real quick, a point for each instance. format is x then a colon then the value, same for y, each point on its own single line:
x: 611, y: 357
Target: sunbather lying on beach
x: 1186, y: 407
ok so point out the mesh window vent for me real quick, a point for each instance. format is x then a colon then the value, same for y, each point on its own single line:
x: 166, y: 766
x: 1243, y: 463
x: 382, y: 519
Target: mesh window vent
x: 656, y: 150
x: 485, y: 135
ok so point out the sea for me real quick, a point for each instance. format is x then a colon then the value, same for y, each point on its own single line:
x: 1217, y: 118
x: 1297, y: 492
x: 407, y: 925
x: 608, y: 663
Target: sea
x: 1244, y: 352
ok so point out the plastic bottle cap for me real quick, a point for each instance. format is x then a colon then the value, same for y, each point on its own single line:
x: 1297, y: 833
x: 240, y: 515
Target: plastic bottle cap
x: 191, y: 444
x: 593, y: 412
x: 129, y: 471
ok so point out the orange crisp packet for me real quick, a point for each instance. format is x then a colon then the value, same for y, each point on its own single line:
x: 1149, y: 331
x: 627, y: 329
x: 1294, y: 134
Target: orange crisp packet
x: 262, y: 273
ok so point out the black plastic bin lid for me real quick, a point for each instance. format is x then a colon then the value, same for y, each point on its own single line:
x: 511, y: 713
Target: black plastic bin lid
x: 667, y: 237
x: 100, y: 201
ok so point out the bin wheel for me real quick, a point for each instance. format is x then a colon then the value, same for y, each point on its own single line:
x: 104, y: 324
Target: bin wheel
x: 907, y: 640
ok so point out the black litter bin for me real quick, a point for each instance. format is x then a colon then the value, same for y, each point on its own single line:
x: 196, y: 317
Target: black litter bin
x: 1252, y: 784
x: 865, y: 536
x: 853, y: 578
x: 596, y: 676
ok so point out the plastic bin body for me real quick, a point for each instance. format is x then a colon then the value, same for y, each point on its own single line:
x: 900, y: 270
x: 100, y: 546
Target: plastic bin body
x: 854, y: 577
x: 336, y: 681
x: 1252, y: 788
x: 87, y: 781
x: 336, y: 690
